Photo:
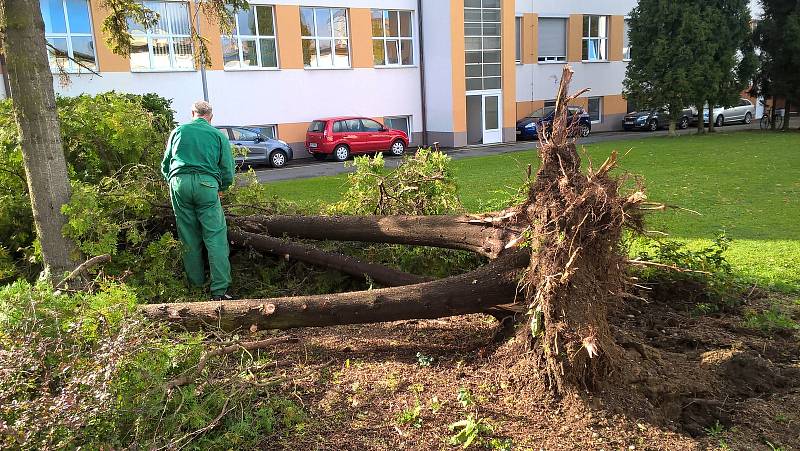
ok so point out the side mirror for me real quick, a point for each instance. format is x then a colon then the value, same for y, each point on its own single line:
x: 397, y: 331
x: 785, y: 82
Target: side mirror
x: 259, y: 139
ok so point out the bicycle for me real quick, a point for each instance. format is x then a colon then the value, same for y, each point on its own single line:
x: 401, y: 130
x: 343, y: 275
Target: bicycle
x: 766, y: 120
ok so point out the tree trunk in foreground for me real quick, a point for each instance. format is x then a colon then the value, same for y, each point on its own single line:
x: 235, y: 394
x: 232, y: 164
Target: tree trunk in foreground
x: 711, y: 122
x: 474, y: 292
x: 701, y: 127
x: 35, y: 111
x: 673, y: 127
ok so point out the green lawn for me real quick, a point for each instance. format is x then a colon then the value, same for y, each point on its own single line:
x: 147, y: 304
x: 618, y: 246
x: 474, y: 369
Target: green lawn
x: 745, y: 183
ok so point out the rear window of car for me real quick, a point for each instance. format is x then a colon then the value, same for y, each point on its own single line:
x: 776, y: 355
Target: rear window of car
x: 317, y: 126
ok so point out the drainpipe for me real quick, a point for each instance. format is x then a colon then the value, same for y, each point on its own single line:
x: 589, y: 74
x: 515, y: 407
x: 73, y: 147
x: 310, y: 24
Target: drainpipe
x: 203, y: 61
x: 422, y: 76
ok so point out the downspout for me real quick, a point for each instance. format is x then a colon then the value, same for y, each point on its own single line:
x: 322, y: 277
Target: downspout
x: 203, y: 62
x: 422, y: 76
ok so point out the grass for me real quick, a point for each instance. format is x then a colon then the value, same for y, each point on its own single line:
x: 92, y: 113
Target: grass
x: 745, y: 183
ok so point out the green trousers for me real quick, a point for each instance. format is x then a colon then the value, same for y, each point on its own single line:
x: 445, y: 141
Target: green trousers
x: 200, y: 220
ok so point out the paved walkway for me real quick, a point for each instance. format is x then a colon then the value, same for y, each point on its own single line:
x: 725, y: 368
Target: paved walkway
x: 307, y: 167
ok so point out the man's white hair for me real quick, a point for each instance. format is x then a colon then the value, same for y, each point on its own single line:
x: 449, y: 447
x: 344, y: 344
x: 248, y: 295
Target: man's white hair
x: 202, y: 108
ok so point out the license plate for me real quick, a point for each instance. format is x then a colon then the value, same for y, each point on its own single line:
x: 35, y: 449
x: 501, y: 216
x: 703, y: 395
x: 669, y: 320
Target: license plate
x: 519, y: 132
x: 312, y: 145
x: 629, y: 122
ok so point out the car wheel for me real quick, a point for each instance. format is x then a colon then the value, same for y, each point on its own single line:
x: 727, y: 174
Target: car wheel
x: 341, y: 152
x: 720, y: 121
x: 748, y: 118
x: 684, y: 123
x: 585, y: 131
x: 320, y: 156
x: 398, y: 148
x: 277, y: 159
x: 653, y: 126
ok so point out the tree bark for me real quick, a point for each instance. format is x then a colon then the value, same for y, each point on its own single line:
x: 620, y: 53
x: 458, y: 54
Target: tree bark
x: 701, y: 127
x: 711, y: 118
x: 474, y: 292
x: 383, y: 275
x: 34, y: 103
x: 453, y: 232
x: 673, y: 127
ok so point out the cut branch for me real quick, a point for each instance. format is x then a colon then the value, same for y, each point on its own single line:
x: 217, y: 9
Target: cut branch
x: 82, y: 268
x: 451, y: 232
x: 349, y: 265
x: 474, y: 292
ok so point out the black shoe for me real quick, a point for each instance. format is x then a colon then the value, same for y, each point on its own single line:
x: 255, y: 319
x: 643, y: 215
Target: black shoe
x: 223, y: 297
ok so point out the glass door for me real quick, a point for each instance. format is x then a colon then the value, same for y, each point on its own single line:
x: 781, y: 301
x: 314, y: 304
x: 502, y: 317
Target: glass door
x: 492, y: 119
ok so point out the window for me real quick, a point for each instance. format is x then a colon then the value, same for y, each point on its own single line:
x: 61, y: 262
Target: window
x: 482, y: 44
x: 243, y: 134
x: 325, y: 37
x: 518, y: 35
x: 402, y: 123
x: 252, y: 43
x: 550, y: 103
x: 595, y: 38
x: 368, y: 125
x: 166, y: 46
x: 392, y: 40
x: 347, y: 126
x: 596, y: 109
x: 317, y: 126
x: 552, y: 39
x: 68, y: 30
x: 265, y: 130
x: 626, y: 41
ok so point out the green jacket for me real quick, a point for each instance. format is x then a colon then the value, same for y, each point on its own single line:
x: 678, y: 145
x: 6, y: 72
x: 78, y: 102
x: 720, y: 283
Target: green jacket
x: 197, y: 147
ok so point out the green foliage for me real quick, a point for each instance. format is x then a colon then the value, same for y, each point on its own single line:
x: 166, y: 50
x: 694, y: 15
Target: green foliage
x: 411, y: 416
x: 468, y: 431
x: 83, y: 371
x: 773, y: 319
x: 424, y: 360
x: 778, y: 38
x: 423, y: 184
x: 464, y: 397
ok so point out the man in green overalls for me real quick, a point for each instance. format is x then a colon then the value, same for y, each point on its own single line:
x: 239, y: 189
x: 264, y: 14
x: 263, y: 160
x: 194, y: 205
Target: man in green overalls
x: 198, y: 165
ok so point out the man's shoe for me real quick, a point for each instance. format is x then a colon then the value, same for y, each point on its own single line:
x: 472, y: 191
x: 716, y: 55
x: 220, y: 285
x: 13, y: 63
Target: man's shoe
x: 223, y: 297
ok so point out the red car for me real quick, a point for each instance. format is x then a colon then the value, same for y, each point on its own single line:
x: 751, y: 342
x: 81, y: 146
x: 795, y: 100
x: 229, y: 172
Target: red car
x: 345, y: 136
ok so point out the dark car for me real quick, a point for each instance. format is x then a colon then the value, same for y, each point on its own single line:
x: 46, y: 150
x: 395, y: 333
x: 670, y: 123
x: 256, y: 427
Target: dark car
x: 261, y: 149
x: 341, y: 137
x: 652, y: 120
x: 528, y: 127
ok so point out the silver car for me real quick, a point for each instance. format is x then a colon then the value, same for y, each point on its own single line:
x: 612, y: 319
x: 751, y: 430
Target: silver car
x: 744, y: 111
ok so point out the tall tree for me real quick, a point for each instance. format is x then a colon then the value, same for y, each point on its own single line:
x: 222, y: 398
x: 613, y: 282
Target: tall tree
x: 777, y: 36
x: 33, y: 97
x: 31, y: 83
x: 732, y: 52
x: 662, y: 68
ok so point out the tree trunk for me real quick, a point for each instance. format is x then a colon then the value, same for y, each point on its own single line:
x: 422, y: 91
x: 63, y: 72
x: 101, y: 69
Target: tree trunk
x: 35, y: 112
x: 701, y: 127
x: 470, y: 233
x: 673, y: 127
x: 381, y: 274
x: 711, y: 118
x: 474, y: 292
x: 773, y: 120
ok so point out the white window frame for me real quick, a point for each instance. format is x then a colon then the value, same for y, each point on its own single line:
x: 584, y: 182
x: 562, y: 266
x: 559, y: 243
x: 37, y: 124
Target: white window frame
x: 257, y: 38
x: 399, y: 39
x: 483, y: 50
x: 553, y: 59
x: 599, y: 109
x: 603, y: 40
x: 518, y: 38
x: 170, y: 36
x: 408, y: 121
x: 317, y: 38
x: 626, y: 57
x: 72, y: 67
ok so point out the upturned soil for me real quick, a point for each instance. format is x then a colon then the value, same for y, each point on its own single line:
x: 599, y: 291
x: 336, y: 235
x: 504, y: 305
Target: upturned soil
x: 686, y: 382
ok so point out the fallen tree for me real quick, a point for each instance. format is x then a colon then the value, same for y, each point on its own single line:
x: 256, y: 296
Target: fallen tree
x: 556, y: 265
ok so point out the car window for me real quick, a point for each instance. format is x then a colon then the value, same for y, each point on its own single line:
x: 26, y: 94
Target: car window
x: 317, y: 126
x: 573, y: 110
x: 224, y: 131
x: 368, y: 125
x: 542, y: 112
x: 338, y: 127
x: 744, y: 102
x: 243, y: 134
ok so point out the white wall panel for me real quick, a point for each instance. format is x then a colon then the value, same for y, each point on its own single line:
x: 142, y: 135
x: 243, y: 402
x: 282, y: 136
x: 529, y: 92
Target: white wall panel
x: 438, y: 62
x: 564, y: 7
x: 603, y: 78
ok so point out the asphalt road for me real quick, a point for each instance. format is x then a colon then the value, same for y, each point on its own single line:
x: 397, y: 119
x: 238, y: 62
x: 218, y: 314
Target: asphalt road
x: 308, y: 167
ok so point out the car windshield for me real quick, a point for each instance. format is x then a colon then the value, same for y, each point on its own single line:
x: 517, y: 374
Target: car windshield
x: 317, y: 126
x: 542, y: 112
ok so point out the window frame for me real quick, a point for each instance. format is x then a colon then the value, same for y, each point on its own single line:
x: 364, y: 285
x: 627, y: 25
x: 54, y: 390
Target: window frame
x: 316, y: 38
x: 409, y: 124
x: 400, y: 39
x: 601, y: 39
x: 496, y: 80
x: 273, y: 127
x: 71, y: 67
x: 170, y: 36
x: 599, y: 109
x: 257, y: 38
x: 518, y: 38
x: 553, y: 59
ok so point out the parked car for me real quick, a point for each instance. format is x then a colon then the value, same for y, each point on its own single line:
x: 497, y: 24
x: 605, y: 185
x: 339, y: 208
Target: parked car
x: 346, y: 136
x: 744, y: 111
x: 261, y: 149
x: 652, y: 120
x: 528, y: 127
